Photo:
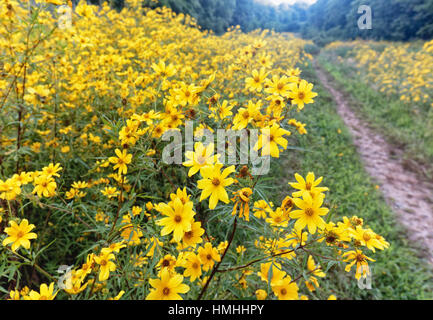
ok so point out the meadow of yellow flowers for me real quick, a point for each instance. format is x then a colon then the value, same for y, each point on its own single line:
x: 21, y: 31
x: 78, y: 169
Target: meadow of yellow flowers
x: 88, y: 209
x: 402, y: 69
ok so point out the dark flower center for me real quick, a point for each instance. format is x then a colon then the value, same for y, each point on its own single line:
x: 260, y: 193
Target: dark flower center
x: 309, y: 212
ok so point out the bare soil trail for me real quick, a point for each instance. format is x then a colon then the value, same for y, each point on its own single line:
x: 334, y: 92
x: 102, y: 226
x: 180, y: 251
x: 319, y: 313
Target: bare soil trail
x: 406, y: 192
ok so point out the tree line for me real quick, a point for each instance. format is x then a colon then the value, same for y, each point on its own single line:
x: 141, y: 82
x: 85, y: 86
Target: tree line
x: 324, y: 21
x: 396, y: 20
x: 218, y: 15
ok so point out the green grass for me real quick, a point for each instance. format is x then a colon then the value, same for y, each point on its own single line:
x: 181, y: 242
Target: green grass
x: 398, y: 272
x: 409, y: 127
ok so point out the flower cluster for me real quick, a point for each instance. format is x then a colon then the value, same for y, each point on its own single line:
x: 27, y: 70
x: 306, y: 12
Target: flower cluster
x: 404, y: 70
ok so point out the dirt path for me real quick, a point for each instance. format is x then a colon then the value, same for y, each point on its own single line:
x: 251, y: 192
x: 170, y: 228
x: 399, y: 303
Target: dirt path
x: 404, y: 191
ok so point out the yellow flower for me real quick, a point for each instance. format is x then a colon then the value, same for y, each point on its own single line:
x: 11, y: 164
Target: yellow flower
x: 214, y: 182
x: 187, y: 94
x: 179, y: 218
x: 302, y: 94
x: 130, y: 233
x: 110, y: 192
x: 222, y: 111
x: 45, y: 186
x: 23, y: 178
x: 276, y: 105
x: 168, y: 287
x: 270, y: 139
x: 240, y: 249
x: 255, y: 83
x: 280, y: 247
x: 163, y: 70
x: 285, y: 289
x: 333, y: 235
x: 153, y: 243
x: 14, y: 295
x: 287, y: 204
x: 129, y: 134
x: 136, y: 210
x: 87, y: 267
x: 24, y: 291
x: 192, y: 266
x: 222, y: 246
x: 309, y: 214
x: 45, y: 293
x: 293, y: 72
x: 167, y: 262
x: 309, y: 185
x: 123, y: 158
x: 265, y: 61
x: 193, y: 236
x: 299, y: 126
x: 278, y: 218
x: 181, y: 194
x: 261, y: 294
x: 277, y: 273
x: 76, y: 281
x: 51, y: 170
x: 80, y: 185
x: 315, y: 270
x: 116, y: 246
x: 105, y: 264
x: 242, y: 199
x: 36, y: 147
x: 19, y: 235
x: 173, y: 118
x: 208, y: 255
x: 366, y: 237
x: 74, y: 193
x: 201, y: 157
x: 246, y: 115
x: 65, y: 149
x: 279, y: 86
x: 384, y: 244
x: 149, y: 206
x: 260, y: 209
x: 9, y: 189
x: 356, y: 256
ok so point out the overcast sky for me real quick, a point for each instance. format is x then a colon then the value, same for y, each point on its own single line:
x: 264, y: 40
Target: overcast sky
x: 286, y: 1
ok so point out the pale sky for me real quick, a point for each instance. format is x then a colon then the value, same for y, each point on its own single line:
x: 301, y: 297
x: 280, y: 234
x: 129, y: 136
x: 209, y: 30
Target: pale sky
x: 277, y: 2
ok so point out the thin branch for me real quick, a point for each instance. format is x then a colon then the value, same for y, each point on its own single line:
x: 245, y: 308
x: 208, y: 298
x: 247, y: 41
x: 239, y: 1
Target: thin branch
x: 264, y: 258
x: 215, y: 269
